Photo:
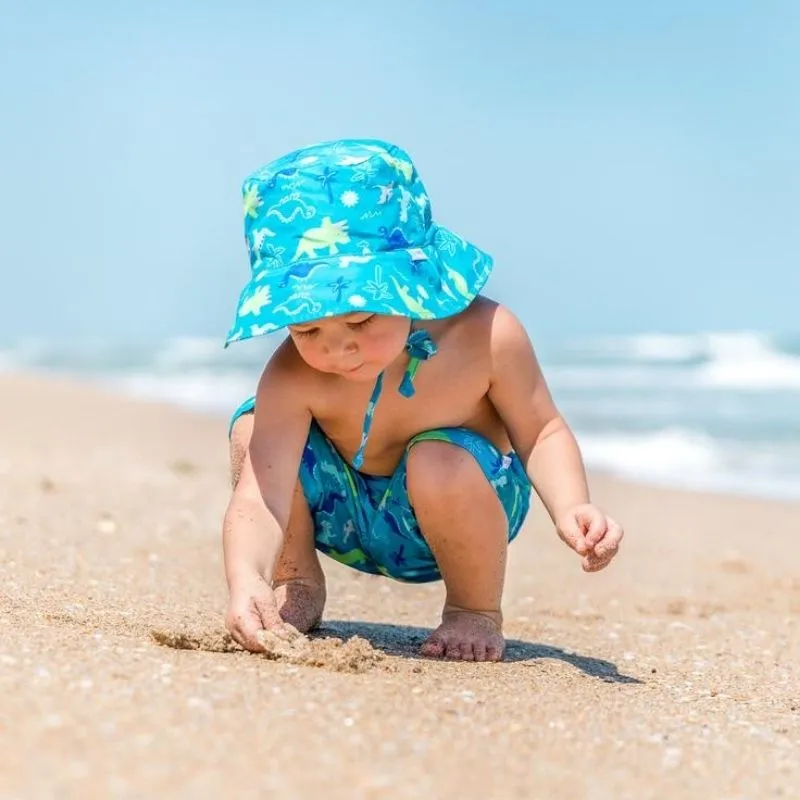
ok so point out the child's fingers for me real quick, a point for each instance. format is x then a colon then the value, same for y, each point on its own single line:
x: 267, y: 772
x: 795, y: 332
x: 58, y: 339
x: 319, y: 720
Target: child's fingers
x: 268, y: 613
x: 593, y: 564
x: 608, y: 545
x: 284, y: 631
x: 597, y: 525
x: 245, y: 631
x: 571, y: 532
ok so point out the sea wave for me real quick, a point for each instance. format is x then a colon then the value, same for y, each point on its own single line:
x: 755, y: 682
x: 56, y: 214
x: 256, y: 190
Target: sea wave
x: 681, y: 348
x: 746, y: 361
x: 691, y: 460
x: 707, y: 410
x: 201, y: 390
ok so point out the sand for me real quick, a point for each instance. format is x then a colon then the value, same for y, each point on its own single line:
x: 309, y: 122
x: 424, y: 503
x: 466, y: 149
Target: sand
x: 673, y: 674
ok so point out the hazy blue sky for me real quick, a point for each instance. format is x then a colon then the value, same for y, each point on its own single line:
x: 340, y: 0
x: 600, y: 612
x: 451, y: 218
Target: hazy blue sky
x: 633, y: 166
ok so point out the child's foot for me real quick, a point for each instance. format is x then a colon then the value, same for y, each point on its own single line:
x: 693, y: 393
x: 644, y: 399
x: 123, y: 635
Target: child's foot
x: 466, y: 636
x: 300, y: 603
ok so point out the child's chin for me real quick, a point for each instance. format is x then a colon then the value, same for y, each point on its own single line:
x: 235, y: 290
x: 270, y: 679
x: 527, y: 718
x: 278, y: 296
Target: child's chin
x: 364, y: 374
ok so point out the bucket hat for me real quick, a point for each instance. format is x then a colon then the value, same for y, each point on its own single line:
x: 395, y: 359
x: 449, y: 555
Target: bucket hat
x: 345, y: 226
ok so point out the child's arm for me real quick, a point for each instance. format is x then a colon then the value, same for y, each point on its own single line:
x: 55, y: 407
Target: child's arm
x: 258, y: 513
x: 545, y: 444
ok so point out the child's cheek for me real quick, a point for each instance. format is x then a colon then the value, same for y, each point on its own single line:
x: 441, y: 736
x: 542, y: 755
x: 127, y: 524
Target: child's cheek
x: 311, y: 354
x: 389, y: 346
x: 375, y: 348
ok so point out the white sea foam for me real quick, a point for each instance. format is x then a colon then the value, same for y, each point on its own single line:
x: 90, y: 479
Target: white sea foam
x: 709, y: 410
x: 660, y: 453
x: 199, y: 390
x: 753, y: 366
x: 745, y: 362
x: 644, y: 347
x: 691, y: 460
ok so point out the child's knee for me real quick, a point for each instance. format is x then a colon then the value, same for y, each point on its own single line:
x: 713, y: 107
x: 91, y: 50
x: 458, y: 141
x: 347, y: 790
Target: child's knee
x: 439, y: 471
x: 239, y: 442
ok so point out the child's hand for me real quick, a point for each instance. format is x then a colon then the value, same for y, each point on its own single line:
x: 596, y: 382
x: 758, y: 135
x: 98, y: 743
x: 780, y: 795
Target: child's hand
x: 252, y: 609
x: 591, y: 534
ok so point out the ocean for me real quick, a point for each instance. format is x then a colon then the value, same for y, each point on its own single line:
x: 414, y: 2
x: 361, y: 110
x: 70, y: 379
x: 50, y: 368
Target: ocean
x: 709, y: 411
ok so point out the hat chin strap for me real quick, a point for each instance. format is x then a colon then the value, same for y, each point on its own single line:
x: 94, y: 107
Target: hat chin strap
x: 420, y: 347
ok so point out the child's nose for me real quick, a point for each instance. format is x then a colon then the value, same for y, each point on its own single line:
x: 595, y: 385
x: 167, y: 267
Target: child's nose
x: 343, y: 345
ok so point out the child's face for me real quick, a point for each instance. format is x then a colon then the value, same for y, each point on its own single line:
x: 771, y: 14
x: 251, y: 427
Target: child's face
x: 356, y: 346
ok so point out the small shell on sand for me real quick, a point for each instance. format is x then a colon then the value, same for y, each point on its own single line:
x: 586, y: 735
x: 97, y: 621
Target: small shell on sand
x: 106, y: 525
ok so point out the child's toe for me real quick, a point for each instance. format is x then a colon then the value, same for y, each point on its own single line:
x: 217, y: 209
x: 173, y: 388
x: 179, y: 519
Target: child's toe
x: 433, y: 647
x: 494, y: 653
x: 479, y: 648
x: 467, y: 651
x: 453, y: 651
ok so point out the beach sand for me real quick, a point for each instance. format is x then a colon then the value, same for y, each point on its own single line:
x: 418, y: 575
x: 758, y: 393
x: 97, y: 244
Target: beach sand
x: 673, y: 674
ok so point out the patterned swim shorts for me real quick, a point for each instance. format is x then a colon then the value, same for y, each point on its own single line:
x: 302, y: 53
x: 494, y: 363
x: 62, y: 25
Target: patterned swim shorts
x: 367, y: 522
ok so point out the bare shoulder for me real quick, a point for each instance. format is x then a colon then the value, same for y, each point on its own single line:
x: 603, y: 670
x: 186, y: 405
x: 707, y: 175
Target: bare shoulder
x: 507, y: 346
x: 492, y: 326
x: 287, y: 374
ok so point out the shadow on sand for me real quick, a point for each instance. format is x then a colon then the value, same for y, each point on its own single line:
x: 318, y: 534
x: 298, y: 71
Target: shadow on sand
x: 404, y: 640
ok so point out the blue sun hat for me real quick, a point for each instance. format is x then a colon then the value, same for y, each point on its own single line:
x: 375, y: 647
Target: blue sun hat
x: 346, y: 226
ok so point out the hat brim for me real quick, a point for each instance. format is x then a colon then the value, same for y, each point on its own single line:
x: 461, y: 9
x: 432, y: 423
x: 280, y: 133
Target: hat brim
x: 434, y: 281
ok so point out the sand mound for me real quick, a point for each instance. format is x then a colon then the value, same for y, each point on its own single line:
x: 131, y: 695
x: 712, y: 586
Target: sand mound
x: 209, y: 642
x: 353, y: 655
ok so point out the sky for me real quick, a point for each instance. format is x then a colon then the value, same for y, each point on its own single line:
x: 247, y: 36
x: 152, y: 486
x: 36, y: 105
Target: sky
x: 632, y: 167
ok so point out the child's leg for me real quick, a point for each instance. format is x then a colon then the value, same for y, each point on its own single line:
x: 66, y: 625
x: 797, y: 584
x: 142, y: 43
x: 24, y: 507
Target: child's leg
x: 466, y: 527
x: 299, y: 581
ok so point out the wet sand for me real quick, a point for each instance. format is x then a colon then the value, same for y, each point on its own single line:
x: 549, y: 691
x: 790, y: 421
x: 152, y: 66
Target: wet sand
x: 673, y: 674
